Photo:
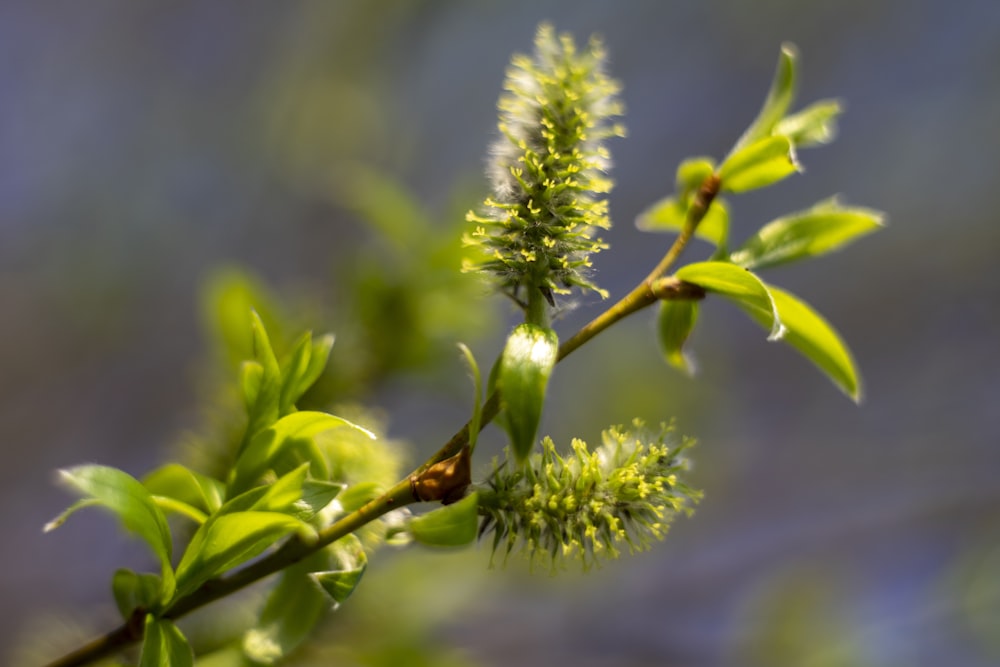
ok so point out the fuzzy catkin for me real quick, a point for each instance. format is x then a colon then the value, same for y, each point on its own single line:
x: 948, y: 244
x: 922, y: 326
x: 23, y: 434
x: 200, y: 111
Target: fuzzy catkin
x: 548, y: 169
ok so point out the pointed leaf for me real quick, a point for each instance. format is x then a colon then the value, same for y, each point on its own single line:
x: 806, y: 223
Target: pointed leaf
x: 296, y: 430
x: 251, y: 379
x: 817, y: 340
x: 453, y: 525
x: 675, y: 323
x: 292, y: 372
x: 738, y: 284
x: 779, y: 98
x: 180, y: 483
x: 226, y: 541
x: 349, y: 564
x: 317, y: 364
x: 525, y: 366
x: 133, y: 590
x: 477, y: 398
x: 265, y: 408
x: 131, y: 502
x: 825, y: 227
x: 813, y: 126
x: 762, y: 163
x: 163, y: 645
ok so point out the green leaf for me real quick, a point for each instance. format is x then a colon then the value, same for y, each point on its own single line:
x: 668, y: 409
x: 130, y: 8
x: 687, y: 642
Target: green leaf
x: 825, y: 227
x: 133, y: 591
x: 525, y: 366
x: 296, y: 496
x: 814, y: 125
x: 180, y: 483
x: 265, y: 408
x: 739, y: 285
x: 251, y: 380
x: 127, y: 498
x: 228, y: 540
x: 293, y: 608
x: 779, y: 99
x: 477, y: 399
x: 350, y: 562
x: 667, y: 215
x: 674, y: 324
x: 292, y: 432
x: 163, y: 645
x: 453, y: 525
x: 762, y: 163
x: 355, y: 496
x: 691, y: 173
x: 305, y: 365
x: 292, y: 371
x: 817, y: 340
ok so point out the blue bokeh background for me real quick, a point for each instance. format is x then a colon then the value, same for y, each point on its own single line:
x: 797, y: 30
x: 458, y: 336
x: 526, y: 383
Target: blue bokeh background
x: 142, y: 145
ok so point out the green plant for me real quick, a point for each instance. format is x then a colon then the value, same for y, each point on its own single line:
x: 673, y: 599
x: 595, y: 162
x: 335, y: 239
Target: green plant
x: 306, y: 495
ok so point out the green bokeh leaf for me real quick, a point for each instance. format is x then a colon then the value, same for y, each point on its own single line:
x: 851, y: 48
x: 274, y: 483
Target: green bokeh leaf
x: 779, y: 99
x: 180, y: 483
x: 525, y: 366
x: 691, y: 173
x: 355, y: 496
x: 228, y: 540
x: 675, y: 322
x: 762, y: 163
x: 349, y: 564
x: 453, y: 525
x: 128, y: 499
x: 293, y: 608
x: 667, y: 215
x: 812, y: 126
x: 163, y: 645
x: 825, y: 227
x: 816, y: 339
x: 134, y: 590
x: 292, y: 371
x: 738, y: 284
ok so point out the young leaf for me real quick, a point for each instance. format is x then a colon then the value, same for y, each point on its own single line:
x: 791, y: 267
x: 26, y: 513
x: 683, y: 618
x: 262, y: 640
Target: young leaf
x: 453, y: 525
x: 130, y: 501
x: 251, y: 379
x: 163, y: 645
x: 355, y: 496
x: 814, y: 125
x: 477, y: 400
x: 738, y: 284
x: 133, y: 591
x: 292, y: 372
x: 295, y: 431
x: 762, y: 163
x: 779, y: 99
x: 265, y: 408
x: 674, y: 324
x: 691, y: 173
x: 180, y: 483
x: 350, y: 562
x: 816, y: 339
x: 525, y: 366
x: 825, y: 227
x: 667, y: 215
x: 228, y: 540
x: 293, y: 608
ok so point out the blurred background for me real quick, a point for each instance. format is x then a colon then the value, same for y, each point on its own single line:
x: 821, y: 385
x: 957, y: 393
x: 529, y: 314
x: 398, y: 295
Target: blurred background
x: 330, y: 149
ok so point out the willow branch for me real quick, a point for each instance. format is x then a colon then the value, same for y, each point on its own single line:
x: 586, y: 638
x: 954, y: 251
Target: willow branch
x: 653, y: 288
